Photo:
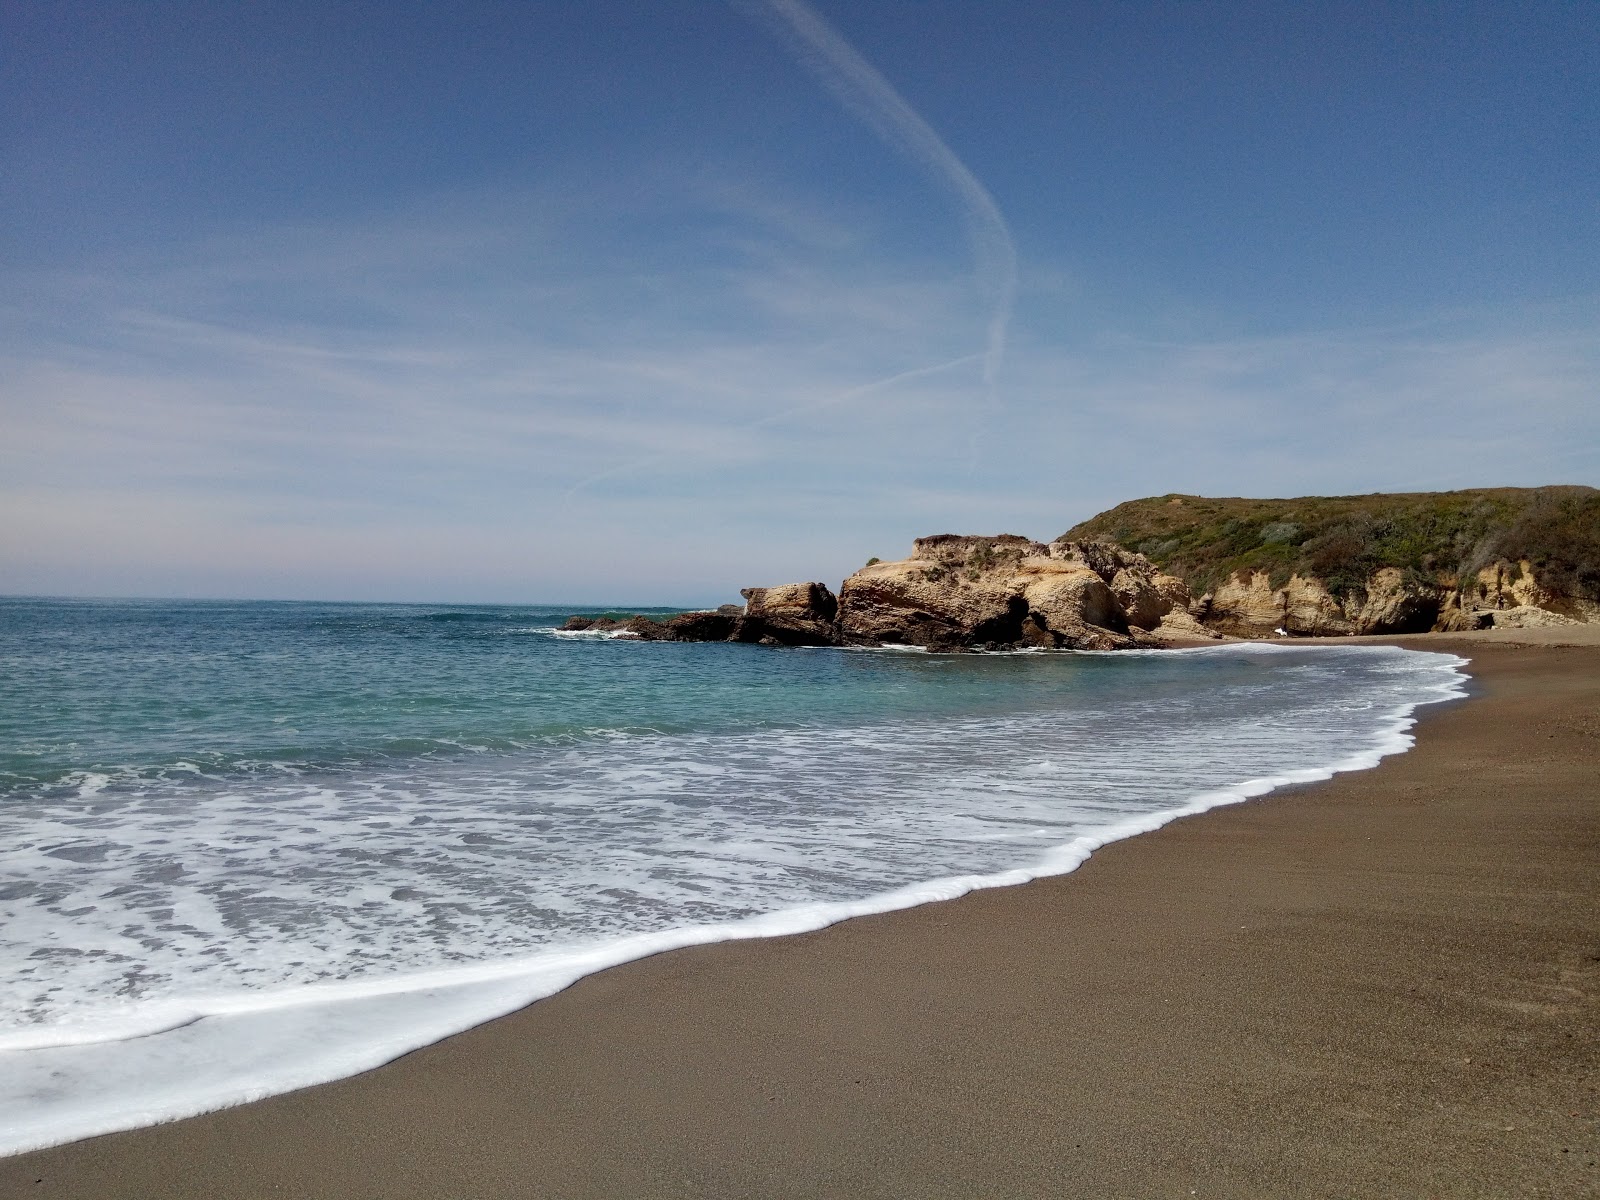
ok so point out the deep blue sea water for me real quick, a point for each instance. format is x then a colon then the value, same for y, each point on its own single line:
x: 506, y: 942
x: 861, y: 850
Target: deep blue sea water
x: 250, y: 846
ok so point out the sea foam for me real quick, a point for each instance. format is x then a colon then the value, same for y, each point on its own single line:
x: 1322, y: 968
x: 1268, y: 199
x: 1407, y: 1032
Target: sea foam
x: 193, y: 943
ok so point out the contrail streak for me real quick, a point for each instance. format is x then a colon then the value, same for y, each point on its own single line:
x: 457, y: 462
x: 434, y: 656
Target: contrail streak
x: 865, y: 389
x: 857, y: 84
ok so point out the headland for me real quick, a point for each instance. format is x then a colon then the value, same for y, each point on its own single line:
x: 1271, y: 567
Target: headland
x: 1179, y: 570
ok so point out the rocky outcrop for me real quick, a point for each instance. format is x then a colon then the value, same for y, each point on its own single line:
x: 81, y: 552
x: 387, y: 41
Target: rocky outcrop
x: 1517, y: 595
x: 1380, y: 563
x: 715, y: 625
x: 954, y: 593
x: 1529, y: 616
x: 794, y: 614
x: 1311, y: 566
x: 957, y: 592
x: 1250, y: 604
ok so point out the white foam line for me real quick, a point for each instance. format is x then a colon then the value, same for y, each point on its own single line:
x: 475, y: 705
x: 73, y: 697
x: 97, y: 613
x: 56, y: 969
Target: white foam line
x: 460, y: 998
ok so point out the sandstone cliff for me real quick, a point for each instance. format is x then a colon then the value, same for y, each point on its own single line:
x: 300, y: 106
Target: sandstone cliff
x: 1404, y: 563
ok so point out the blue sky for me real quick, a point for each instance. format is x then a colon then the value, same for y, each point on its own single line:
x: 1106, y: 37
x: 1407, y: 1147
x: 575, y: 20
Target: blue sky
x: 641, y: 302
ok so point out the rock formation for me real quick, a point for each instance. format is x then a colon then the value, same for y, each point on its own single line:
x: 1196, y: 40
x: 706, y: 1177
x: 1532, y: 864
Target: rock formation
x: 794, y: 614
x: 1247, y: 605
x: 716, y: 625
x: 958, y: 592
x: 954, y: 593
x: 1397, y: 563
x: 1504, y: 595
x: 1330, y: 565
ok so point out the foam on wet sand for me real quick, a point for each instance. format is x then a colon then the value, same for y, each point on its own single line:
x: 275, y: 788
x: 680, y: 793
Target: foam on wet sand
x: 1380, y: 985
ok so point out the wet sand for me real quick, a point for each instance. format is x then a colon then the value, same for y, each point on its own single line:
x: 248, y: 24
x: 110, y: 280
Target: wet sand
x: 1383, y: 985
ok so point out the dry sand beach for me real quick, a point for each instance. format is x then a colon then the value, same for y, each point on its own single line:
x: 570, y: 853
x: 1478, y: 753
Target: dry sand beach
x: 1384, y: 985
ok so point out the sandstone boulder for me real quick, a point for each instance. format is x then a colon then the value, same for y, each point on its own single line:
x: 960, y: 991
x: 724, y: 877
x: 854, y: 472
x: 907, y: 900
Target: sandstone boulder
x: 1529, y: 616
x: 918, y: 602
x: 1247, y: 605
x: 794, y: 614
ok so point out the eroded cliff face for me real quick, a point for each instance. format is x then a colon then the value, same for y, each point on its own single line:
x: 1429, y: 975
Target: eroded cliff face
x: 1380, y: 563
x: 1249, y: 604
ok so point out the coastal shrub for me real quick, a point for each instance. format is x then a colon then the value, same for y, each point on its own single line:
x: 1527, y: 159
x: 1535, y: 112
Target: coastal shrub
x: 1343, y: 558
x: 1441, y: 537
x: 1558, y: 534
x: 1155, y: 549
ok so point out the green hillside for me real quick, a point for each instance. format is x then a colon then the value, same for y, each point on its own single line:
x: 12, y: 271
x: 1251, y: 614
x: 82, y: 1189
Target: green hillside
x: 1441, y: 536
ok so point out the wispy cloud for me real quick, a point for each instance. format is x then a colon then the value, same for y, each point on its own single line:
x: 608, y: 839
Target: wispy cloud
x: 406, y: 406
x: 1467, y: 401
x: 457, y: 373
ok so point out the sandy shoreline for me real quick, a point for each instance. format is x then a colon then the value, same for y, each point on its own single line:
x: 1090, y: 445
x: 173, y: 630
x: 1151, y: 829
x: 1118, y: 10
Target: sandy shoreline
x: 1384, y: 985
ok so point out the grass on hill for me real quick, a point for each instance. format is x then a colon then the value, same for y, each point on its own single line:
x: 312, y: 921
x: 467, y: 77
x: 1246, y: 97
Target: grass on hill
x: 1443, y: 537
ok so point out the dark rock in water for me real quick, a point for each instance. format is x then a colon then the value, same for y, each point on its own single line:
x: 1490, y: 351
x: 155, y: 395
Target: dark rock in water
x: 646, y: 629
x: 715, y: 626
x: 684, y: 627
x: 794, y: 614
x: 594, y: 624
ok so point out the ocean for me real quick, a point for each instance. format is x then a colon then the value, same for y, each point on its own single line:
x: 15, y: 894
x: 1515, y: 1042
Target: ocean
x: 248, y: 847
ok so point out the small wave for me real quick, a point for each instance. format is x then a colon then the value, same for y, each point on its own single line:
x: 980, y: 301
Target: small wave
x: 86, y: 784
x: 226, y: 942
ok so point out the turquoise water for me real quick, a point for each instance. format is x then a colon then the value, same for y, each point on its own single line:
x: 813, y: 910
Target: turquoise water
x: 144, y: 690
x: 250, y: 846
